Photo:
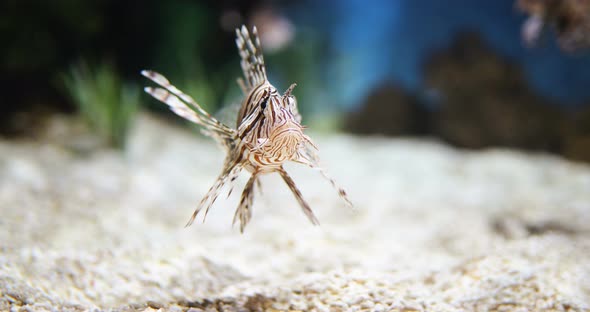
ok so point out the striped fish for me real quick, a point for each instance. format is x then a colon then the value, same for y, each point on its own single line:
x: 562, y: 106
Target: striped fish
x: 268, y: 132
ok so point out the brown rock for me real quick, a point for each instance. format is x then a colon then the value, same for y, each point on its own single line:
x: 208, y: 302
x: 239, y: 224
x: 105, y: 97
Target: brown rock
x: 485, y: 101
x: 388, y: 110
x: 577, y: 136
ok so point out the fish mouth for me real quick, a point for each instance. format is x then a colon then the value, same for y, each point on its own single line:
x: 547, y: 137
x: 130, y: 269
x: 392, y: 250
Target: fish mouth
x: 285, y: 141
x: 288, y: 135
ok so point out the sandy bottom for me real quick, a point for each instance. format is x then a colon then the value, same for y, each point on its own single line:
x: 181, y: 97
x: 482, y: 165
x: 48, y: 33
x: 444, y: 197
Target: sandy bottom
x: 435, y: 229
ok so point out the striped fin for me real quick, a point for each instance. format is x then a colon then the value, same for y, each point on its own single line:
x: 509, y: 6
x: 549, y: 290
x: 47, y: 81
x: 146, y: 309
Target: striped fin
x: 229, y: 174
x: 244, y: 210
x: 304, y: 205
x: 309, y: 158
x: 252, y: 60
x: 185, y: 107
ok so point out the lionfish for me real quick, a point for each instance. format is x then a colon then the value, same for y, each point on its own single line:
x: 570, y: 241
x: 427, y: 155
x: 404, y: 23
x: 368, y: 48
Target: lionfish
x: 268, y: 132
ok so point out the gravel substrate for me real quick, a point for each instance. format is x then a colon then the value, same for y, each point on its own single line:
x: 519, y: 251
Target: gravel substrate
x: 434, y: 229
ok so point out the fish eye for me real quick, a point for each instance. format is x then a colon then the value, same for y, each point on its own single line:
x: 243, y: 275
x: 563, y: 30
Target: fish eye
x: 263, y: 104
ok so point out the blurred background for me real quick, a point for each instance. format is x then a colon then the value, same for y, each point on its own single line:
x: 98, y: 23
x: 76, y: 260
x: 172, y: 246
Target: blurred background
x: 475, y: 74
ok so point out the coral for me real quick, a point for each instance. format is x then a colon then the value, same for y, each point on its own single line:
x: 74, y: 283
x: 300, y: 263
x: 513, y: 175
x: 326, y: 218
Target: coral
x: 570, y: 19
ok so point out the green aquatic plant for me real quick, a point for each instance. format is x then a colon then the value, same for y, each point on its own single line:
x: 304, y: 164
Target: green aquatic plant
x: 108, y: 104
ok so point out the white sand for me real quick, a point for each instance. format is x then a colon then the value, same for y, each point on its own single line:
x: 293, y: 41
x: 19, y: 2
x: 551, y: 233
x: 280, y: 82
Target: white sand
x: 435, y: 229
